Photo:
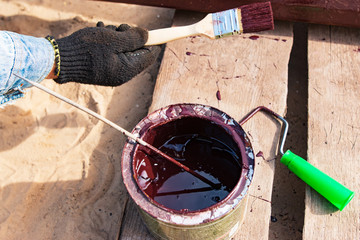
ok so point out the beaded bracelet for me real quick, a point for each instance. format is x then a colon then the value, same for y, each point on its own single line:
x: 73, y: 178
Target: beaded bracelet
x: 57, y: 54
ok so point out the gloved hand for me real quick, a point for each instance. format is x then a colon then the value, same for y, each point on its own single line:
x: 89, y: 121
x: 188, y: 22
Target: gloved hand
x: 102, y: 55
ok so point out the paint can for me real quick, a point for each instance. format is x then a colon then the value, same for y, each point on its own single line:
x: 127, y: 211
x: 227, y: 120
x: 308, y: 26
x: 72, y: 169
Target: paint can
x: 172, y: 203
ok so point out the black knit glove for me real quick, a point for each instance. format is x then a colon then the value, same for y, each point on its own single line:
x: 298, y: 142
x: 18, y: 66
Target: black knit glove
x: 102, y: 55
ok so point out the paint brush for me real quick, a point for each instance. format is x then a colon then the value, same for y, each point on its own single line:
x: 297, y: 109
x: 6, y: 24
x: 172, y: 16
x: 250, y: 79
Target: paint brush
x: 122, y: 130
x: 245, y: 19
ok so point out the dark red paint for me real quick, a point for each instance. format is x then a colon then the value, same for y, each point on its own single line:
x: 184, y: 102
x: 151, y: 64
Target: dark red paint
x: 202, y: 146
x: 254, y: 37
x: 218, y: 95
x: 260, y: 154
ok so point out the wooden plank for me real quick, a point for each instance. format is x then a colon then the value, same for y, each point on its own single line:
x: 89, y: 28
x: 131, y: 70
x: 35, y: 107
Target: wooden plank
x: 132, y: 226
x: 331, y: 12
x: 334, y: 129
x: 248, y: 70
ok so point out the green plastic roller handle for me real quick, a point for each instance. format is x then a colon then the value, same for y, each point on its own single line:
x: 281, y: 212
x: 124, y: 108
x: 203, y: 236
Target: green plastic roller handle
x: 332, y: 190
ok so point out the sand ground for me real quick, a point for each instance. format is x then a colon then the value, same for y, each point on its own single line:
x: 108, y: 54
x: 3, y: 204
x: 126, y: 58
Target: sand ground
x: 60, y: 172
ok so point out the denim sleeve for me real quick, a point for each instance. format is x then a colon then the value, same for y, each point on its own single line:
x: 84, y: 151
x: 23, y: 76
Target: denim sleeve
x: 27, y: 56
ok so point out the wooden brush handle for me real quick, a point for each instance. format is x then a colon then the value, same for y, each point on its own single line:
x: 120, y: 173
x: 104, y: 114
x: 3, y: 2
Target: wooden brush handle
x: 160, y: 36
x: 165, y: 35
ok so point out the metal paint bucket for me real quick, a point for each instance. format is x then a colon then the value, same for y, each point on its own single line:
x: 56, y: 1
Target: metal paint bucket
x: 219, y: 220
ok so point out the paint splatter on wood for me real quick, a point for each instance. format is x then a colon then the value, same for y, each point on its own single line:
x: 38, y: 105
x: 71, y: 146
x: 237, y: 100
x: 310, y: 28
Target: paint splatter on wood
x: 218, y: 95
x: 260, y: 154
x: 254, y: 37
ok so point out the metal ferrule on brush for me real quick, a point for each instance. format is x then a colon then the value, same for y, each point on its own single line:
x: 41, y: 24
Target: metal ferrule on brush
x: 227, y: 23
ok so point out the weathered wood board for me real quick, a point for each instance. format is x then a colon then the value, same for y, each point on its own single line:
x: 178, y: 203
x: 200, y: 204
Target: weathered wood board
x: 248, y: 71
x: 330, y: 12
x: 334, y: 129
